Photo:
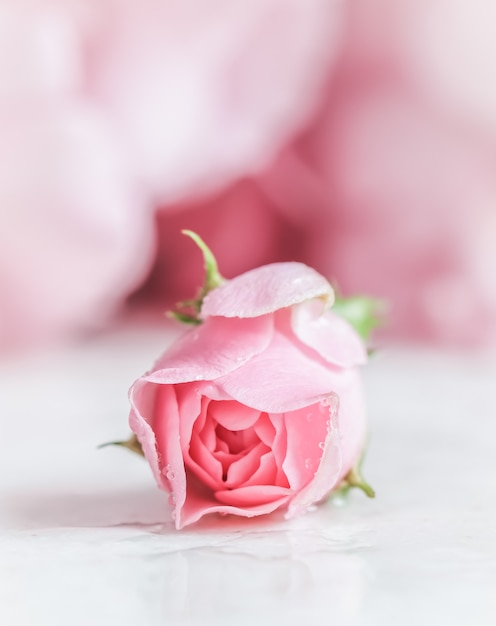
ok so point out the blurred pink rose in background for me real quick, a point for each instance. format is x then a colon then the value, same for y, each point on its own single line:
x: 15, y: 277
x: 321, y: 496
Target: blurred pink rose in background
x: 358, y: 137
x: 111, y: 108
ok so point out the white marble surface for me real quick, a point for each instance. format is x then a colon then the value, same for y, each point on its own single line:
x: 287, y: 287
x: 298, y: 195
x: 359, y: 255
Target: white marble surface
x: 85, y: 537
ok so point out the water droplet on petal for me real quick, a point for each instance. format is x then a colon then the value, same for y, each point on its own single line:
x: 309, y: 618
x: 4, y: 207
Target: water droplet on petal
x: 308, y: 463
x: 173, y: 515
x: 168, y: 473
x: 322, y: 445
x: 332, y: 403
x: 172, y: 499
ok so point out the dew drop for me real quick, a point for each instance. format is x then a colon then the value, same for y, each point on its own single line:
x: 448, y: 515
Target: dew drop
x: 308, y: 463
x: 172, y: 499
x: 331, y: 402
x: 173, y: 515
x: 322, y: 445
x: 168, y: 473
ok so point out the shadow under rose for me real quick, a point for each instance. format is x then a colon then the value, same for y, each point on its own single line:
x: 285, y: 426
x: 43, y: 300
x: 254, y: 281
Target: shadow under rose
x: 29, y: 510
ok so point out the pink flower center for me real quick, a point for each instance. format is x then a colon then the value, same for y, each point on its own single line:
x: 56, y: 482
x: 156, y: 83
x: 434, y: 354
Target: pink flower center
x: 231, y: 447
x: 235, y: 441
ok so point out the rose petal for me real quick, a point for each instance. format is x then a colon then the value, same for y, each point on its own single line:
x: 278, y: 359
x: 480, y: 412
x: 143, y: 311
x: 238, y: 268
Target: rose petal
x: 142, y: 398
x: 202, y: 461
x: 205, y: 429
x: 326, y: 477
x: 352, y: 418
x: 279, y: 447
x: 266, y: 474
x: 279, y: 379
x: 328, y: 334
x: 238, y: 441
x: 232, y: 415
x: 265, y: 429
x: 192, y: 406
x: 265, y: 290
x: 241, y: 470
x: 156, y: 408
x: 200, y: 502
x: 214, y: 348
x: 251, y: 496
x: 306, y: 433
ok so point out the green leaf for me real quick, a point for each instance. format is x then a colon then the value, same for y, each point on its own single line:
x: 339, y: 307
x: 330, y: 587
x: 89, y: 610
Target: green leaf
x: 363, y: 313
x: 131, y: 444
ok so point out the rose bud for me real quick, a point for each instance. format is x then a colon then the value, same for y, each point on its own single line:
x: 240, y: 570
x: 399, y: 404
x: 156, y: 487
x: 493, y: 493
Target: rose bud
x: 260, y: 406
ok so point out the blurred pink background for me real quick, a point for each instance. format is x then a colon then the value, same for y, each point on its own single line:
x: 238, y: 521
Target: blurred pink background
x: 356, y: 136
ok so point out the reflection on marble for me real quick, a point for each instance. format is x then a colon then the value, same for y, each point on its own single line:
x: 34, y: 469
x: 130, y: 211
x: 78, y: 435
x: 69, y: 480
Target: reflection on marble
x: 85, y: 539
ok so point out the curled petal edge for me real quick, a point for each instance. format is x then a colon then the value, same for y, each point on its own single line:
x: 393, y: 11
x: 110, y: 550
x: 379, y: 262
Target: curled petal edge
x: 265, y: 290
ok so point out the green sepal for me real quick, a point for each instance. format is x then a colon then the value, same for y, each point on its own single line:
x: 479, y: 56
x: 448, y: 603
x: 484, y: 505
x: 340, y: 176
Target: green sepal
x: 363, y: 313
x: 213, y: 277
x: 188, y: 310
x: 131, y: 444
x: 184, y: 318
x: 354, y: 480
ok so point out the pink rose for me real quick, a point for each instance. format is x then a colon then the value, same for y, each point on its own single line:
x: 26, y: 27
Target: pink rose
x: 258, y: 408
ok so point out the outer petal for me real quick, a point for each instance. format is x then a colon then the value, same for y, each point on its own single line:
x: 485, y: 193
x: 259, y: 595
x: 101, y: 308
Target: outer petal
x: 142, y: 398
x: 325, y: 479
x: 265, y: 290
x: 343, y: 445
x: 306, y: 433
x: 166, y: 422
x: 328, y: 334
x: 154, y: 419
x: 351, y: 418
x: 213, y: 349
x: 280, y: 379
